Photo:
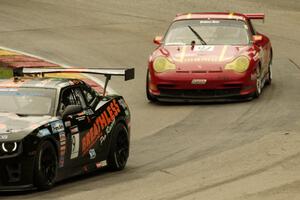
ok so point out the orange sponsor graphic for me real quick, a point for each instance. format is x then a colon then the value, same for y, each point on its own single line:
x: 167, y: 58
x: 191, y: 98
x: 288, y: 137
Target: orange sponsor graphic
x: 101, y: 122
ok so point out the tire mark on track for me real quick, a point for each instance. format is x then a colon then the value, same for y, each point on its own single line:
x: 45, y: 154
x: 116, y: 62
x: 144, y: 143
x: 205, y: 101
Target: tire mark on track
x: 294, y: 63
x: 231, y: 180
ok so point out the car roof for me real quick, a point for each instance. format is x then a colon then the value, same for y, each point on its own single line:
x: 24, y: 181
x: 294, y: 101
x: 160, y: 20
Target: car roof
x: 51, y: 83
x: 210, y: 15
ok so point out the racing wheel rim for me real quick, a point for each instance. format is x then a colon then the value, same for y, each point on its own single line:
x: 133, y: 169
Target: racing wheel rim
x: 48, y: 165
x: 122, y: 149
x: 258, y: 82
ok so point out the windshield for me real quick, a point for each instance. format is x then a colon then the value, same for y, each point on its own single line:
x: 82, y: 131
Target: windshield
x: 27, y: 101
x: 211, y: 32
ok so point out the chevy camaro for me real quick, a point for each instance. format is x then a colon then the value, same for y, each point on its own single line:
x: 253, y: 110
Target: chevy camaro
x: 210, y: 56
x: 55, y: 128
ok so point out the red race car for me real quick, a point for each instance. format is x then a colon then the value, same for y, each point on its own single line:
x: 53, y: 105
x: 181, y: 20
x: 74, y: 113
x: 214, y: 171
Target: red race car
x: 209, y: 56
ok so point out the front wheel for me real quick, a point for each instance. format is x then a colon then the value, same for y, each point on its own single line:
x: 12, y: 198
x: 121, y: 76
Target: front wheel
x: 119, y: 150
x: 270, y: 75
x: 45, y: 166
x: 258, y: 83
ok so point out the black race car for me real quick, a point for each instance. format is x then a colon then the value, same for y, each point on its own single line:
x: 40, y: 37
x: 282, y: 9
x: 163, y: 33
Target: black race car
x: 55, y: 128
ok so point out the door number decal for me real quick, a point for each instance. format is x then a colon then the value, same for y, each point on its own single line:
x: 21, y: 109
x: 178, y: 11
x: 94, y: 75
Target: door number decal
x: 75, y: 146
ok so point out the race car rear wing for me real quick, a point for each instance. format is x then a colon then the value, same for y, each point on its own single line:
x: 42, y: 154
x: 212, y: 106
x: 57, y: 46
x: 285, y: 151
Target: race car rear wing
x: 255, y: 16
x: 128, y: 73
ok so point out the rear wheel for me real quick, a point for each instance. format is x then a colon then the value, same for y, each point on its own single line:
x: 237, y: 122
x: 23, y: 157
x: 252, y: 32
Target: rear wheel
x: 45, y: 166
x: 150, y: 97
x: 119, y: 150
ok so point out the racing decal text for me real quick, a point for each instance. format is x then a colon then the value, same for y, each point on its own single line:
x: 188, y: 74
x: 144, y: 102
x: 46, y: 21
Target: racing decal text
x: 75, y: 142
x: 104, y: 120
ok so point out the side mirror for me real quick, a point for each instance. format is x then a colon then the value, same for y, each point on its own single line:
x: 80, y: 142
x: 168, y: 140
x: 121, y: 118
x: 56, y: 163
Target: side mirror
x: 157, y: 40
x: 71, y: 109
x: 256, y: 38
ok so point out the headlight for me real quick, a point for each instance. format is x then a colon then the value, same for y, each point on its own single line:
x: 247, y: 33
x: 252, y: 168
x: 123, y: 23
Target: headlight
x: 8, y: 147
x: 162, y: 64
x: 240, y: 64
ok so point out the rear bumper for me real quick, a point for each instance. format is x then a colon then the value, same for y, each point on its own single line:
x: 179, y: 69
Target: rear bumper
x: 16, y: 174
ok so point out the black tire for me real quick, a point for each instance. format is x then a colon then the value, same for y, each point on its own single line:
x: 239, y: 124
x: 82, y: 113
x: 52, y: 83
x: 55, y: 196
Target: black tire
x: 119, y: 149
x: 150, y: 97
x: 45, y: 166
x: 270, y: 75
x: 270, y: 71
x: 258, y: 90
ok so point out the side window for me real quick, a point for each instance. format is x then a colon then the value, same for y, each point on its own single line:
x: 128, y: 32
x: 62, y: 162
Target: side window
x: 71, y: 96
x: 89, y: 95
x: 67, y: 98
x: 79, y: 97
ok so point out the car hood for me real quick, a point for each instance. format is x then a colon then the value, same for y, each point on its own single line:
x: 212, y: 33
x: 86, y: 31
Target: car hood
x: 203, y: 57
x: 14, y: 127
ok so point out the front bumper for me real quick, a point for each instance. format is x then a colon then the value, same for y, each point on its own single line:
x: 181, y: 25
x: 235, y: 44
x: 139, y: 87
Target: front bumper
x: 216, y: 87
x: 201, y: 95
x: 16, y: 173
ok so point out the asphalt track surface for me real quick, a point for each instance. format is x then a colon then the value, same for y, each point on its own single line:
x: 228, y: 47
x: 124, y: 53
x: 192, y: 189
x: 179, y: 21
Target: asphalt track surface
x: 247, y: 150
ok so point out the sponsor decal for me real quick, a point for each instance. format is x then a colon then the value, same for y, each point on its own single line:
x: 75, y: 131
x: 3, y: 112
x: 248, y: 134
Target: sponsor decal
x: 62, y: 149
x: 124, y: 106
x: 105, y: 119
x: 92, y: 153
x: 209, y: 22
x: 74, y: 129
x: 199, y: 81
x: 75, y: 146
x: 88, y: 112
x: 122, y: 103
x: 43, y: 132
x: 57, y: 126
x: 202, y: 59
x: 101, y: 164
x: 67, y: 123
x: 80, y: 118
x: 204, y: 48
x: 110, y: 127
x: 102, y: 139
x: 3, y: 137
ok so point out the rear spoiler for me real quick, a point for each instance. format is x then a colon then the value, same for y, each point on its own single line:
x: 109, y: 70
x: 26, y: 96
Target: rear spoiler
x: 255, y: 16
x: 128, y: 73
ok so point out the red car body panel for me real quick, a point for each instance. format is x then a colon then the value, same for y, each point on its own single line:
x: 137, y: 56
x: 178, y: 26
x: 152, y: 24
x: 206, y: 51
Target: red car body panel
x: 198, y: 63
